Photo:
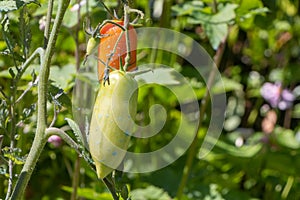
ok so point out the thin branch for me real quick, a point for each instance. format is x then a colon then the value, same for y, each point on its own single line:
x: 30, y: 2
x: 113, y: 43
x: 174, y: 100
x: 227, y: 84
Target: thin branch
x: 56, y: 131
x: 27, y: 90
x: 55, y: 113
x: 61, y: 133
x: 100, y: 25
x: 75, y: 178
x: 38, y: 52
x: 48, y: 23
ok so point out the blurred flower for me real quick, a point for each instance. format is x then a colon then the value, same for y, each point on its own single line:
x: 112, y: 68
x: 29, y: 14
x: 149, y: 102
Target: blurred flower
x: 55, y: 140
x: 276, y: 96
x: 78, y: 5
x: 269, y: 122
x: 42, y: 23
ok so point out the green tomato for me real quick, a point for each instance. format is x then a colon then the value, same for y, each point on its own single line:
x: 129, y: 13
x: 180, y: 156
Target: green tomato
x: 112, y: 125
x: 91, y: 45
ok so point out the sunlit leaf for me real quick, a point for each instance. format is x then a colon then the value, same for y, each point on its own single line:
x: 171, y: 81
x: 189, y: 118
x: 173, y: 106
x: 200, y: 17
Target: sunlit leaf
x: 88, y: 193
x: 149, y: 193
x: 286, y: 138
x: 10, y: 5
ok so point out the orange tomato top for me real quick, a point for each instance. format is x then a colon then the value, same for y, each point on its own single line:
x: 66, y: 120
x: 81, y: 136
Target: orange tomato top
x: 107, y: 44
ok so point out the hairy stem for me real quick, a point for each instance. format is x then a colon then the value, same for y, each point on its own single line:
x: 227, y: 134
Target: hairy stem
x: 40, y: 139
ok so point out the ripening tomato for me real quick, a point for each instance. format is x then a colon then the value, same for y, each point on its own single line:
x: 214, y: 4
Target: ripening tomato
x: 111, y: 124
x: 111, y: 33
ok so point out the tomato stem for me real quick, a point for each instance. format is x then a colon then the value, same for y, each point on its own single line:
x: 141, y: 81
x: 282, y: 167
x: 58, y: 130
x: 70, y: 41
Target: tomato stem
x: 136, y: 73
x: 126, y: 24
x: 100, y: 25
x: 114, y: 49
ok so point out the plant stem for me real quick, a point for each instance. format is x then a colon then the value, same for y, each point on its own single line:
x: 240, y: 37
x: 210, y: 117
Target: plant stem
x: 77, y: 29
x: 76, y: 172
x: 38, y: 52
x: 287, y: 187
x: 193, y: 148
x: 40, y: 139
x: 64, y: 136
x: 12, y: 136
x: 75, y: 180
x: 48, y: 23
x: 126, y: 24
x: 111, y: 188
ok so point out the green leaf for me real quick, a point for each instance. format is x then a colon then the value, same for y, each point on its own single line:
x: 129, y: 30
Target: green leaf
x: 215, y: 26
x: 163, y: 76
x: 149, y: 193
x: 296, y: 111
x: 228, y: 84
x: 232, y: 123
x: 188, y: 8
x: 58, y: 97
x: 226, y: 14
x: 88, y: 193
x: 10, y: 40
x: 247, y: 11
x: 10, y: 5
x: 286, y: 138
x: 216, y: 33
x: 245, y: 151
x: 62, y: 76
x: 78, y: 134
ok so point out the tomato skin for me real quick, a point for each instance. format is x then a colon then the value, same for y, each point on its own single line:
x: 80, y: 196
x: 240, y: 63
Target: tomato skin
x: 111, y: 125
x: 111, y: 33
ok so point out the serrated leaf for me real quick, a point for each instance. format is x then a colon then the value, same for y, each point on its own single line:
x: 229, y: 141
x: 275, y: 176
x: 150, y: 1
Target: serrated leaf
x: 78, y: 134
x: 7, y: 6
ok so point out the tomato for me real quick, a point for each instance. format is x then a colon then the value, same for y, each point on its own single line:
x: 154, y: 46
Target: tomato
x: 112, y: 125
x: 111, y: 33
x: 92, y: 43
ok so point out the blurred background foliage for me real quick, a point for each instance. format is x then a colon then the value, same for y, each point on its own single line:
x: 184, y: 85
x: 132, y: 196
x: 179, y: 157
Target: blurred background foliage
x: 257, y: 155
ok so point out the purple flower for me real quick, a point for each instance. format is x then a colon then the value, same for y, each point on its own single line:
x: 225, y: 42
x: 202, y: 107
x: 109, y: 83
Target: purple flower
x: 287, y: 95
x: 55, y: 140
x: 277, y: 98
